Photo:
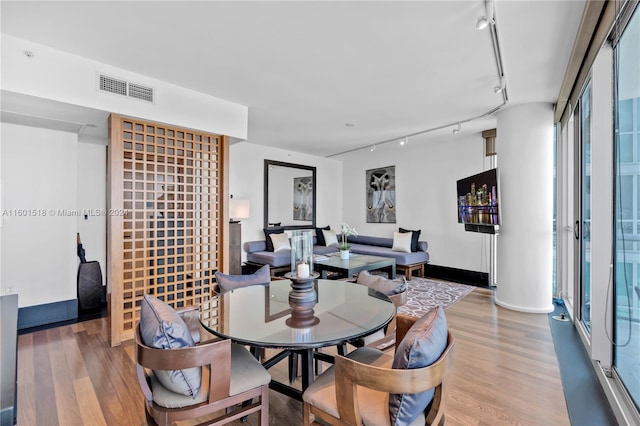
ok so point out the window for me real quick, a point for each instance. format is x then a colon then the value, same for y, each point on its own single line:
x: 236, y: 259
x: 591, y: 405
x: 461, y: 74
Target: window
x: 627, y: 210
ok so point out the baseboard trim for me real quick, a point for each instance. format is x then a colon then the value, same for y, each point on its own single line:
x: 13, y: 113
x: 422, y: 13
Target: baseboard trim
x: 37, y: 315
x: 479, y: 279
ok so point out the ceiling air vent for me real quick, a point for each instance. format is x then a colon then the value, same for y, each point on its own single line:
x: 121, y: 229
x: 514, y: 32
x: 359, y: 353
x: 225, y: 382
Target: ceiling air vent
x: 125, y: 88
x: 141, y: 92
x: 112, y: 85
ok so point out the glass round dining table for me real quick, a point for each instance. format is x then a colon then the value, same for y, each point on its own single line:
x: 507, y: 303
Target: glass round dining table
x: 268, y: 316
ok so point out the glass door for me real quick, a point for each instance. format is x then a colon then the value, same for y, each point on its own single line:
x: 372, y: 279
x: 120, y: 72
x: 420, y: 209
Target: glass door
x: 582, y: 227
x: 626, y: 301
x: 585, y: 211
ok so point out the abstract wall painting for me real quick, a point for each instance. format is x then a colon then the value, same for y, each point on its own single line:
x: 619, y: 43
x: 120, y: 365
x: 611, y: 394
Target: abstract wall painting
x: 303, y: 198
x: 381, y: 195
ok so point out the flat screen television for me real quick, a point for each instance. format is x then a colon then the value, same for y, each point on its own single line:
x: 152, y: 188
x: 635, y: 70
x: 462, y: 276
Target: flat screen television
x: 479, y: 201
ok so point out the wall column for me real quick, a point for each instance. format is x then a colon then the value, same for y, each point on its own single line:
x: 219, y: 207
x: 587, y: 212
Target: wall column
x: 525, y: 147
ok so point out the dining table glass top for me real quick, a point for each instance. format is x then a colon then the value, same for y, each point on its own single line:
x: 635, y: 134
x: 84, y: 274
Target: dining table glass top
x: 261, y: 315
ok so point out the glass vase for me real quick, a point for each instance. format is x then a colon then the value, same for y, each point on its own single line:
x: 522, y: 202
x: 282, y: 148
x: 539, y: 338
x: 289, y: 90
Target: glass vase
x: 302, y: 254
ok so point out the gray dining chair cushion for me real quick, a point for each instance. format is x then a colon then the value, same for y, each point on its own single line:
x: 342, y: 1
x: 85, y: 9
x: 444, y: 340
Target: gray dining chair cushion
x: 382, y: 284
x: 246, y: 374
x: 423, y: 344
x: 373, y: 404
x: 231, y: 282
x: 161, y: 327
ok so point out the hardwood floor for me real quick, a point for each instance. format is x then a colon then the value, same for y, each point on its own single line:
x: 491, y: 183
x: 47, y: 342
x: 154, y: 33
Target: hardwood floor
x: 505, y: 372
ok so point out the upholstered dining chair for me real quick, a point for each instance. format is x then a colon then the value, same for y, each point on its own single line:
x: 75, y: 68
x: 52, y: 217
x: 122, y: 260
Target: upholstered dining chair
x: 371, y: 387
x: 396, y: 290
x: 216, y: 381
x: 226, y: 282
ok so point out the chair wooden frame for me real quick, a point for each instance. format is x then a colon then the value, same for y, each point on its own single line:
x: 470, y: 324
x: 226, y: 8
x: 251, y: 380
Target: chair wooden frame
x: 217, y: 353
x: 350, y: 374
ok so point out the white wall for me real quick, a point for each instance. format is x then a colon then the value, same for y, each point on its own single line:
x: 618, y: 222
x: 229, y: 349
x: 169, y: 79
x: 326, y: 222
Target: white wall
x: 427, y: 169
x: 92, y: 200
x: 39, y: 178
x: 246, y: 173
x: 60, y: 76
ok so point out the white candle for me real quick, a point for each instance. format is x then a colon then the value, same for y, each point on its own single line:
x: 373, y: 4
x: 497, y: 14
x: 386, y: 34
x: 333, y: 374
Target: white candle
x: 303, y: 270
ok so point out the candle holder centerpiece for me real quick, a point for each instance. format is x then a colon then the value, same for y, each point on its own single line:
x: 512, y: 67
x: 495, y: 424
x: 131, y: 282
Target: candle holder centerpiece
x: 302, y: 274
x: 302, y: 296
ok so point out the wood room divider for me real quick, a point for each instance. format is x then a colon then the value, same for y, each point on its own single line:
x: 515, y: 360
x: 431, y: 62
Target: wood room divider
x: 167, y: 220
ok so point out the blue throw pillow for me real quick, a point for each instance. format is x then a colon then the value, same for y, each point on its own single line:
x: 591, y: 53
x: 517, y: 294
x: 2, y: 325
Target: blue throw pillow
x: 161, y: 327
x: 423, y: 344
x: 231, y: 282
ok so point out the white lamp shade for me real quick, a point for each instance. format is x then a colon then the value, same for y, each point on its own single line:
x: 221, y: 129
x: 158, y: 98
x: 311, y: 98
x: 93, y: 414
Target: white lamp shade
x: 238, y: 209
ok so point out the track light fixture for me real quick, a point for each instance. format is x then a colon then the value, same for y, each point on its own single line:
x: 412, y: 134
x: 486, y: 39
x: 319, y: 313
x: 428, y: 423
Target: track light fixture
x: 483, y: 22
x: 404, y: 141
x: 456, y: 130
x: 373, y: 148
x: 499, y: 88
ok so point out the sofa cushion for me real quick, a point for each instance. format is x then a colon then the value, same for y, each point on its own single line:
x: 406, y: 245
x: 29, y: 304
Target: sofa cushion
x: 161, y: 327
x: 253, y: 246
x: 320, y: 236
x: 280, y: 242
x: 382, y: 284
x: 267, y: 235
x: 423, y: 344
x: 415, y: 236
x: 231, y: 282
x: 275, y: 259
x: 401, y: 242
x: 400, y: 257
x: 330, y: 238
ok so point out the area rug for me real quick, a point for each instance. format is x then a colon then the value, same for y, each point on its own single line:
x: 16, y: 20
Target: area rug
x: 424, y: 294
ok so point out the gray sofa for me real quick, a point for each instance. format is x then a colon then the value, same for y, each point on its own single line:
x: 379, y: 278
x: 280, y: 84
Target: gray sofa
x: 408, y: 263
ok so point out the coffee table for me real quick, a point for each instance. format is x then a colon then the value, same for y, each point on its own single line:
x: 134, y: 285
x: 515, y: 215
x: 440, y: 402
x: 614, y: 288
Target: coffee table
x: 356, y: 263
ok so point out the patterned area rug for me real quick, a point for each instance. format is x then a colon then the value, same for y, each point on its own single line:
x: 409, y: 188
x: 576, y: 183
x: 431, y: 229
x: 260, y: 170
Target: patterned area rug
x: 424, y: 294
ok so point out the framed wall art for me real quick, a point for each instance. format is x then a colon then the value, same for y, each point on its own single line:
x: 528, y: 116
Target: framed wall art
x: 303, y: 198
x: 381, y: 195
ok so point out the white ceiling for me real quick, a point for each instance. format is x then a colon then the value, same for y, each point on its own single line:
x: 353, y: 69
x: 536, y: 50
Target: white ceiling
x: 305, y: 69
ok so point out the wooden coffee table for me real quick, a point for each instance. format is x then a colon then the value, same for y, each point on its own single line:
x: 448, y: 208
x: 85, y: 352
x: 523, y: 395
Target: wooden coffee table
x: 356, y: 263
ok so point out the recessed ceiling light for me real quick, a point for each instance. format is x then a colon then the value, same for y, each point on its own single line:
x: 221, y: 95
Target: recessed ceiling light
x: 28, y: 54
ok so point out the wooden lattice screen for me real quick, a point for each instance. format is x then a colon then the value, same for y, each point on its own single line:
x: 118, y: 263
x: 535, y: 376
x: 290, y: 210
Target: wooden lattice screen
x: 167, y: 216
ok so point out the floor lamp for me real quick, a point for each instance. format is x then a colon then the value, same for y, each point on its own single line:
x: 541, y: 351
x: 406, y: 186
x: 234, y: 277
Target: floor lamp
x: 238, y: 209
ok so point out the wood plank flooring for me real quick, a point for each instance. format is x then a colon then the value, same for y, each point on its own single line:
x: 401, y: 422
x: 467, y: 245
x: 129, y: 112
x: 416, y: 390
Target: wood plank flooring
x: 505, y: 373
